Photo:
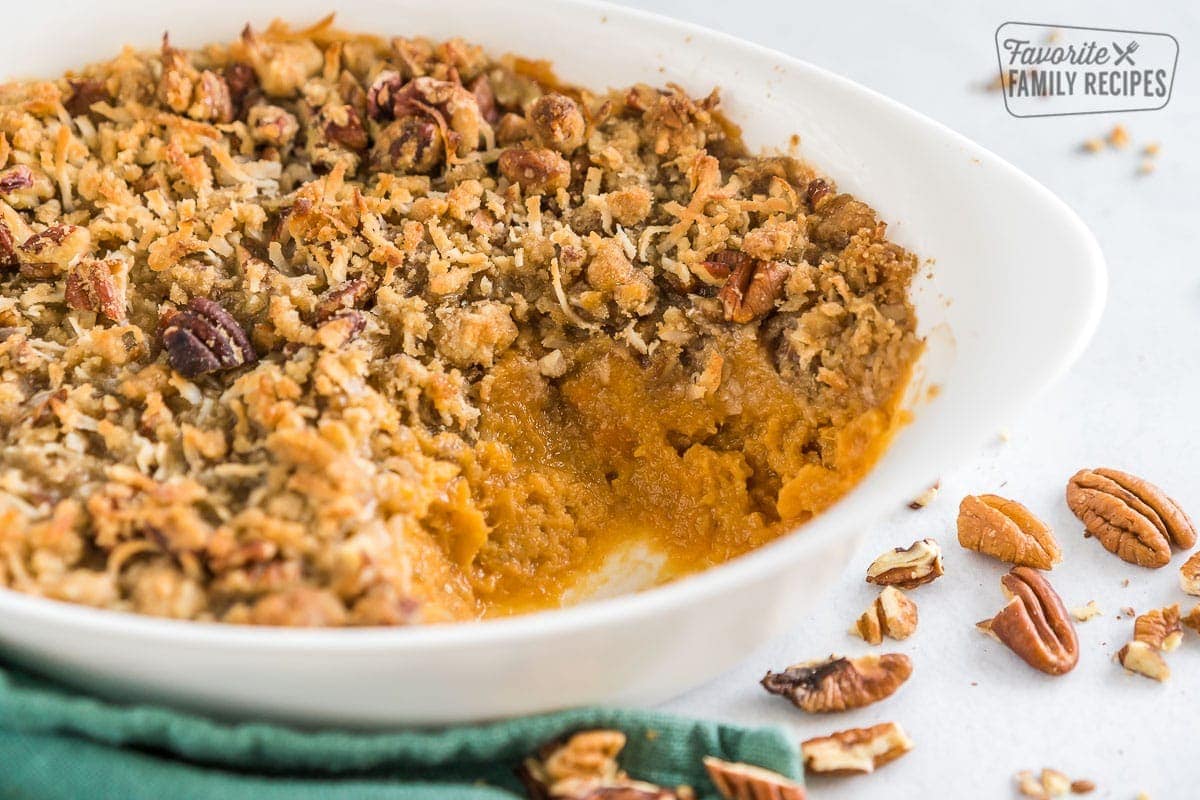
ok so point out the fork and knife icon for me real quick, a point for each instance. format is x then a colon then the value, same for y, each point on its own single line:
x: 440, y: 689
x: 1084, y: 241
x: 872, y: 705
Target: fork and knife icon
x: 1125, y: 55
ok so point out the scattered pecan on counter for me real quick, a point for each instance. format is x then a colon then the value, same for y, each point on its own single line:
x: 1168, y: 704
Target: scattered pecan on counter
x: 908, y: 568
x: 1192, y: 619
x: 1007, y: 530
x: 1189, y: 574
x: 840, y: 684
x: 736, y: 781
x: 926, y: 497
x: 584, y: 766
x: 1144, y: 659
x: 1034, y: 624
x: 1157, y: 631
x: 1159, y: 628
x: 892, y: 614
x: 857, y: 750
x: 1130, y: 516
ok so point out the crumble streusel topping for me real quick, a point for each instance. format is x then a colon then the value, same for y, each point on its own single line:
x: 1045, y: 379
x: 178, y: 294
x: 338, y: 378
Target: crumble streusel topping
x: 328, y: 329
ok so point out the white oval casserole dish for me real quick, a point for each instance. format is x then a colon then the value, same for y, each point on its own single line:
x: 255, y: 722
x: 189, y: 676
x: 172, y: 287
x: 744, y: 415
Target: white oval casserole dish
x: 1014, y: 292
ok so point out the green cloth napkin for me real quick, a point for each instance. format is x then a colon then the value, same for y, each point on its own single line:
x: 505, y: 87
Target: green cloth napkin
x: 60, y: 744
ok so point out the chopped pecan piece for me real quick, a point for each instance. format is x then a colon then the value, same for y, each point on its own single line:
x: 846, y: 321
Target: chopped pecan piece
x: 84, y: 94
x: 926, y: 497
x: 212, y: 101
x: 204, y: 338
x: 751, y: 289
x: 1129, y: 516
x: 453, y: 108
x: 342, y: 126
x: 556, y: 122
x: 858, y: 750
x: 1034, y: 624
x: 1159, y: 628
x: 485, y: 98
x: 892, y: 614
x: 243, y: 87
x: 737, y: 781
x: 1006, y: 530
x: 24, y: 188
x: 716, y: 268
x: 19, y: 177
x: 584, y: 767
x: 511, y: 129
x: 349, y: 295
x: 537, y: 170
x: 8, y: 249
x: 1086, y: 612
x: 1189, y: 574
x: 836, y: 218
x: 272, y: 125
x: 408, y: 145
x: 92, y: 286
x: 908, y: 568
x: 1051, y: 783
x: 815, y: 191
x: 51, y: 252
x: 1144, y: 659
x: 1192, y: 619
x: 839, y: 684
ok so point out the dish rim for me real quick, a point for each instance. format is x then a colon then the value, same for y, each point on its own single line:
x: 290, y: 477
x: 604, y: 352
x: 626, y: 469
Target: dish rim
x: 652, y: 601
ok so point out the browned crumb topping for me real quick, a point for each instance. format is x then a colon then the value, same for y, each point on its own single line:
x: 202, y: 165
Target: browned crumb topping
x: 328, y: 329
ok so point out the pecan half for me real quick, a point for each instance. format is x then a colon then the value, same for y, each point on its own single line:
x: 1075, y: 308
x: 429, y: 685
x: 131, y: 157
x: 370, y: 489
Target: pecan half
x: 204, y: 338
x: 908, y: 568
x: 1035, y: 624
x: 1006, y: 530
x: 1189, y: 574
x: 1159, y: 628
x: 1131, y: 517
x: 839, y: 684
x: 1144, y: 659
x: 858, y: 750
x: 538, y: 170
x: 751, y: 289
x: 584, y: 766
x: 737, y: 781
x: 92, y: 286
x: 892, y: 614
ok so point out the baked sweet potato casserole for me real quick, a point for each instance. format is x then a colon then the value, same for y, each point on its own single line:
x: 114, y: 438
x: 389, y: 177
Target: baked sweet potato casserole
x: 328, y: 329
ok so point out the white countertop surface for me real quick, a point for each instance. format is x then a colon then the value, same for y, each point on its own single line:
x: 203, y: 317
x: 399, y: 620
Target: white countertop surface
x: 976, y: 712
